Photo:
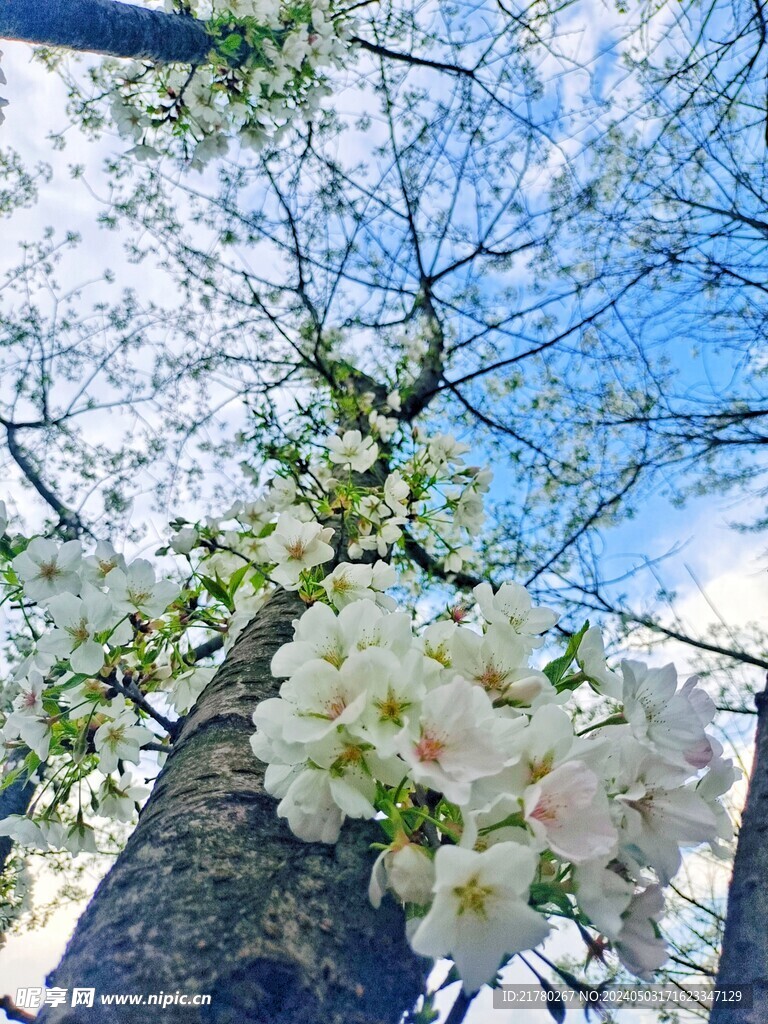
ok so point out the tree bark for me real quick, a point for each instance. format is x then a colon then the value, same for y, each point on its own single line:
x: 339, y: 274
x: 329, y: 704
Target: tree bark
x: 106, y: 26
x: 14, y: 799
x: 744, y: 959
x: 214, y: 895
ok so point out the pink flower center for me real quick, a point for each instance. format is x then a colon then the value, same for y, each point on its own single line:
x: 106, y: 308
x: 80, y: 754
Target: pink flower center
x: 429, y: 747
x: 545, y: 811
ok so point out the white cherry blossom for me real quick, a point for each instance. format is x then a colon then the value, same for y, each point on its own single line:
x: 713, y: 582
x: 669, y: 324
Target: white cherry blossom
x: 656, y: 811
x: 480, y: 913
x: 352, y: 451
x: 436, y: 643
x: 135, y: 590
x: 323, y: 698
x: 495, y: 662
x: 699, y: 755
x: 47, y: 568
x: 29, y: 719
x: 119, y: 737
x: 603, y: 893
x: 188, y: 686
x: 407, y: 870
x: 640, y: 947
x: 184, y: 540
x: 590, y: 658
x: 719, y: 778
x: 38, y: 835
x: 394, y: 690
x: 308, y: 804
x: 118, y: 797
x: 542, y: 745
x: 500, y: 821
x: 347, y: 583
x: 568, y: 811
x: 396, y: 492
x: 78, y: 621
x: 470, y: 512
x: 296, y: 546
x: 97, y: 566
x: 443, y: 449
x: 319, y: 633
x: 453, y: 744
x: 337, y: 780
x: 667, y: 720
x: 512, y: 604
x: 79, y: 838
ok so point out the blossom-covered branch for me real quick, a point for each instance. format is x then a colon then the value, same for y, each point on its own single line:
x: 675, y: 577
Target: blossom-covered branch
x: 499, y: 816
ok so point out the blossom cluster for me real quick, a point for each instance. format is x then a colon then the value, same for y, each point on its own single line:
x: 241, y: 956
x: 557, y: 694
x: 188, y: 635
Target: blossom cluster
x: 109, y: 660
x: 68, y: 695
x: 434, y: 491
x: 429, y: 491
x: 264, y: 69
x: 499, y: 815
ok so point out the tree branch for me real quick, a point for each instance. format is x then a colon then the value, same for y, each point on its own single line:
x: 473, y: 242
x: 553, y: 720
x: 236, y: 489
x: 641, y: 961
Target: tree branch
x: 134, y: 693
x: 460, y: 1008
x: 14, y: 1012
x: 70, y: 522
x: 105, y: 26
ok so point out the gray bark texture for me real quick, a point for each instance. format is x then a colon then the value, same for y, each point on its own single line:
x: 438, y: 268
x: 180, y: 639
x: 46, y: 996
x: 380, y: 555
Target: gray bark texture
x: 14, y: 799
x: 106, y: 26
x: 744, y: 959
x: 214, y: 895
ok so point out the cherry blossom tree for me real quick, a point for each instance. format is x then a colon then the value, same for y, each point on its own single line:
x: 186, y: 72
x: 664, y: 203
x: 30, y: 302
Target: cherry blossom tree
x: 467, y: 764
x: 363, y: 258
x: 245, y: 70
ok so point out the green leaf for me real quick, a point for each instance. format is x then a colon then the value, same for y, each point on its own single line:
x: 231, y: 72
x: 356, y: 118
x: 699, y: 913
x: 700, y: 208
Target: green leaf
x: 231, y: 45
x: 546, y: 892
x: 217, y: 590
x: 237, y: 578
x: 28, y: 766
x: 10, y: 777
x: 555, y: 671
x: 515, y: 820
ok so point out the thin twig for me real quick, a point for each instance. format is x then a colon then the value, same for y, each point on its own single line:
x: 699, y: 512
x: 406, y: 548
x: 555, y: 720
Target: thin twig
x: 460, y: 1008
x: 14, y: 1012
x: 134, y: 693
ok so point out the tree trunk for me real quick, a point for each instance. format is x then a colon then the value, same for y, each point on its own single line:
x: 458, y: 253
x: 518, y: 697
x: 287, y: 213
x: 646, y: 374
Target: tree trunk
x: 744, y: 960
x: 106, y: 26
x: 14, y: 799
x: 214, y: 895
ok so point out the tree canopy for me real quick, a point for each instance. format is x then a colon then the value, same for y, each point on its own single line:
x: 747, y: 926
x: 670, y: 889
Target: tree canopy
x: 414, y: 217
